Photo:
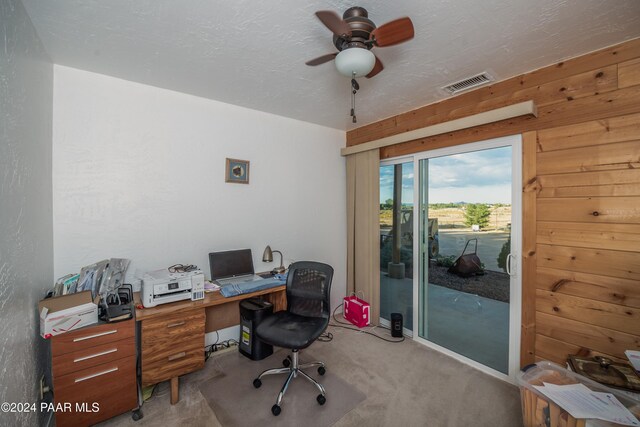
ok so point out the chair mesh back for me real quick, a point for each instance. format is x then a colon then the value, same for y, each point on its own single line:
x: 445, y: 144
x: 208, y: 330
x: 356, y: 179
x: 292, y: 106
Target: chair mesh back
x: 308, y: 289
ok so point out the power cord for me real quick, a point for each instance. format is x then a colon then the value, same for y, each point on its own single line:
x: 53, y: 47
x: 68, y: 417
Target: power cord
x: 362, y: 331
x: 325, y: 337
x: 210, y: 349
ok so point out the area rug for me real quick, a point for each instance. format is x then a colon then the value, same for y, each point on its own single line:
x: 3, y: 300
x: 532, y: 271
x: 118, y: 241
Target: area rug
x: 231, y: 395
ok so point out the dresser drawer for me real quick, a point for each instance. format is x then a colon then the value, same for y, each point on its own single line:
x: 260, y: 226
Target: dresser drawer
x: 97, y: 378
x: 172, y: 363
x: 112, y: 386
x: 92, y: 356
x: 91, y: 336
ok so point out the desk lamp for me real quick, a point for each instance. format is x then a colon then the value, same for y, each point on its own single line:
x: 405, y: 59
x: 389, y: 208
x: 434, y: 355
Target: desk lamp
x: 267, y: 256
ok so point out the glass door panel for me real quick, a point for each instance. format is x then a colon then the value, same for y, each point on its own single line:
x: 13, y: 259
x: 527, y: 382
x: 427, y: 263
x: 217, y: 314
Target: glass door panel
x: 465, y: 204
x: 396, y: 241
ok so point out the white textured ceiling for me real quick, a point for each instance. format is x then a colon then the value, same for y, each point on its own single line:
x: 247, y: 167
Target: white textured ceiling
x: 252, y: 53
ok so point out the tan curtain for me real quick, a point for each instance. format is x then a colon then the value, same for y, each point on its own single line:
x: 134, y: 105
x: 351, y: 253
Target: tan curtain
x: 363, y: 234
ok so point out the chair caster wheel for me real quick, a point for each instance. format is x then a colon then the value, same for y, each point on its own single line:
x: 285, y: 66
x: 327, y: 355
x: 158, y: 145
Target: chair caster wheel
x: 321, y: 370
x: 286, y: 362
x: 137, y: 415
x: 321, y: 399
x: 275, y: 410
x: 257, y: 383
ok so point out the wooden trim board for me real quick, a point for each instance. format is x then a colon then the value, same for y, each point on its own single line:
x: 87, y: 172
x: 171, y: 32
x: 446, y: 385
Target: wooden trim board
x: 510, y: 111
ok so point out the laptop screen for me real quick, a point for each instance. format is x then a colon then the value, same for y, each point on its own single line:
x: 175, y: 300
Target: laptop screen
x: 230, y: 263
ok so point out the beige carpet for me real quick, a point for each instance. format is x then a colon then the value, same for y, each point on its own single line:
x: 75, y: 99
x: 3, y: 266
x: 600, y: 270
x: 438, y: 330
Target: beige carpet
x: 237, y: 403
x: 406, y: 384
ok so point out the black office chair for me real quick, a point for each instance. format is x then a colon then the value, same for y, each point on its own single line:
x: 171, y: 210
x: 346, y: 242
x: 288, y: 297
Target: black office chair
x: 306, y: 318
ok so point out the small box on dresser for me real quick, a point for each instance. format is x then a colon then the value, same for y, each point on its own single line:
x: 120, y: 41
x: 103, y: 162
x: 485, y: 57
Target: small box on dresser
x: 94, y: 368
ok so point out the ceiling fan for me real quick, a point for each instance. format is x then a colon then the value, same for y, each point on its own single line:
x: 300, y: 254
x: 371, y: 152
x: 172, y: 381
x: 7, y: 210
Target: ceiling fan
x: 354, y: 35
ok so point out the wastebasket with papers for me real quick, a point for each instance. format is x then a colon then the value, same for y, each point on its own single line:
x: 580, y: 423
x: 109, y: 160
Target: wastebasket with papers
x: 554, y: 396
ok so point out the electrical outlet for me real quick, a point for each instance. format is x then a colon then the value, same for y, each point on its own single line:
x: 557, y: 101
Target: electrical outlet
x: 44, y: 388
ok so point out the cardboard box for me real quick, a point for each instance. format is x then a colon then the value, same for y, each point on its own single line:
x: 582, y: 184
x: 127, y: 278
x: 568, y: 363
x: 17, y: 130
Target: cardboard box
x: 66, y: 313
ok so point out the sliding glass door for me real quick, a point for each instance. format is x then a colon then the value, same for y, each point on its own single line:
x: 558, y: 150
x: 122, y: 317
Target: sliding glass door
x: 396, y: 241
x: 468, y: 228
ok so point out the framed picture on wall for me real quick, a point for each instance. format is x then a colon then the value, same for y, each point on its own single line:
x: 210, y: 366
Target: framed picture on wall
x: 237, y: 171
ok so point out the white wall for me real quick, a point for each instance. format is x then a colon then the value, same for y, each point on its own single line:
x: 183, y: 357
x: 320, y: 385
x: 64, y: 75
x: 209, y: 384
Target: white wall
x: 26, y: 231
x: 138, y: 172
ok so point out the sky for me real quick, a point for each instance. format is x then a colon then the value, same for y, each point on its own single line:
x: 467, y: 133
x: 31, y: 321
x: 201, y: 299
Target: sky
x: 474, y: 177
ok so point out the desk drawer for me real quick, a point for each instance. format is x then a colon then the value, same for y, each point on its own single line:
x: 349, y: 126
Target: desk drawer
x: 91, y: 336
x: 172, y: 363
x: 178, y: 324
x: 82, y: 359
x: 111, y: 385
x: 172, y: 346
x: 164, y: 333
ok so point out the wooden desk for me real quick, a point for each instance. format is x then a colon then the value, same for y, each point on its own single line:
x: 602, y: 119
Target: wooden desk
x: 172, y: 335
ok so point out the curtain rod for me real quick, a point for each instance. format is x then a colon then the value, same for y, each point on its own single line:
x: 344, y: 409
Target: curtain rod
x: 503, y: 113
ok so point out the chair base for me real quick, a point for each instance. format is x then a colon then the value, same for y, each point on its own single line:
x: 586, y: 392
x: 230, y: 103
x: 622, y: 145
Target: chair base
x: 293, y: 370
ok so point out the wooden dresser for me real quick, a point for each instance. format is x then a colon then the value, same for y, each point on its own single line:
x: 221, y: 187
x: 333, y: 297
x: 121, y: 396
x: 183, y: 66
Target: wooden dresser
x: 95, y: 365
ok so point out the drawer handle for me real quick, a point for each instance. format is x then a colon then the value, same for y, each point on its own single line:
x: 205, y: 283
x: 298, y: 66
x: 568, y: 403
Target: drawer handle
x: 173, y: 325
x: 101, y: 334
x: 177, y: 356
x: 80, y: 359
x: 88, y: 377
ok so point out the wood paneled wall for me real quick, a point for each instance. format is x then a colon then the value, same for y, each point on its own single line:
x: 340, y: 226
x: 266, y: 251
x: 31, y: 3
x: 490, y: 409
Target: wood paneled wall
x: 581, y: 194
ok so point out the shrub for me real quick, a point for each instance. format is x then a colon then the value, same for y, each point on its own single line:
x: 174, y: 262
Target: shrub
x: 504, y: 252
x: 445, y: 260
x: 477, y: 213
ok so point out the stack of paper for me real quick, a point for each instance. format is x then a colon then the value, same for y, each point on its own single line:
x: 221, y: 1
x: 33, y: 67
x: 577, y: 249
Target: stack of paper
x: 634, y: 358
x: 581, y: 402
x: 209, y: 286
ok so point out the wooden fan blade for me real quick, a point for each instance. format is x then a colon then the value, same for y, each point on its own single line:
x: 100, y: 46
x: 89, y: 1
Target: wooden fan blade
x: 376, y: 68
x: 394, y: 32
x: 332, y: 21
x: 321, y: 59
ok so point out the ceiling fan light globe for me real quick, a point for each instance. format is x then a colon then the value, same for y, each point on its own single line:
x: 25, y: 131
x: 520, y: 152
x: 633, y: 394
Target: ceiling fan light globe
x: 355, y: 62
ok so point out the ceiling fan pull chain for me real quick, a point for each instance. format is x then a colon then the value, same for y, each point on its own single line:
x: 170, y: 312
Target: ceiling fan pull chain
x: 353, y: 104
x: 353, y: 109
x: 354, y: 89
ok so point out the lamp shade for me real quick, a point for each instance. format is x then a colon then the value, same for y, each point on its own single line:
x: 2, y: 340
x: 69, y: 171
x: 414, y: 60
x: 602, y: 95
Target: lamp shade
x: 355, y: 62
x: 267, y: 255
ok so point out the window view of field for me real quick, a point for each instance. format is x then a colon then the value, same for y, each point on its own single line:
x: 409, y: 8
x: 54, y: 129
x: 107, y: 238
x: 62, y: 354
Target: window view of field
x: 455, y: 230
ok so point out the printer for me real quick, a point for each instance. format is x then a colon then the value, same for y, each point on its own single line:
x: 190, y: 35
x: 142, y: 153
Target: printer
x: 161, y: 286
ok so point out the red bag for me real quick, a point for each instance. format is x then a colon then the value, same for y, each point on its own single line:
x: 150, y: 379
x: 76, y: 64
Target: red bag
x: 356, y: 311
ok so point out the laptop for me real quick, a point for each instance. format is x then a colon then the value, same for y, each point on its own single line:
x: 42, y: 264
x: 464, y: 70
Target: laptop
x: 232, y: 267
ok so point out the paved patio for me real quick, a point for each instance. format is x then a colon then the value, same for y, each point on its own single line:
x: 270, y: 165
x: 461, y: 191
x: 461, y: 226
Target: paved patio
x: 473, y: 326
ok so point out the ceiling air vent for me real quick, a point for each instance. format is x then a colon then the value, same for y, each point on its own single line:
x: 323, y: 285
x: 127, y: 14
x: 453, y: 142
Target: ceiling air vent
x: 470, y: 83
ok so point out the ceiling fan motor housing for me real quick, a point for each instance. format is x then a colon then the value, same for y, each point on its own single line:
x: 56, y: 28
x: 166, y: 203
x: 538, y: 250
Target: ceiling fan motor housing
x: 361, y: 28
